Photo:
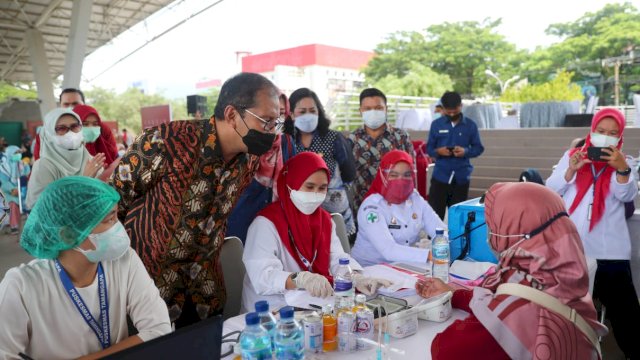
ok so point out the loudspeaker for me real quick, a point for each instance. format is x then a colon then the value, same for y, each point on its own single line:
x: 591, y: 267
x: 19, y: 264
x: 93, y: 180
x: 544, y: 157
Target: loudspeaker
x: 197, y: 103
x: 578, y: 120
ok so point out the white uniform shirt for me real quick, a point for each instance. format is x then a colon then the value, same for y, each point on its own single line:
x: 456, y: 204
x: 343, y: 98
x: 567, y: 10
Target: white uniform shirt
x: 269, y: 264
x: 387, y: 231
x: 609, y: 239
x: 39, y: 319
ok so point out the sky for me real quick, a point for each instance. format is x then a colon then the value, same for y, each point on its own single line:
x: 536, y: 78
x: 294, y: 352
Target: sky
x: 205, y: 46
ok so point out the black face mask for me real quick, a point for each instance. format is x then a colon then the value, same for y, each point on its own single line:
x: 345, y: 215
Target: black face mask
x: 454, y: 117
x: 257, y: 142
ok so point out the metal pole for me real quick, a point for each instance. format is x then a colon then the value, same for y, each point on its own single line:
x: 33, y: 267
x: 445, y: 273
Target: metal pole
x: 616, y: 85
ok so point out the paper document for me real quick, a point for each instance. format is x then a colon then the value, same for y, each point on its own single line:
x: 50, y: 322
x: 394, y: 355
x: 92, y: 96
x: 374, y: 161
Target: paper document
x: 403, y: 283
x: 303, y: 300
x: 469, y: 270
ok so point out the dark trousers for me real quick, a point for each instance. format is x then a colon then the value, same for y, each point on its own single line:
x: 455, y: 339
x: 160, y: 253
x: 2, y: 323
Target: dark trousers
x: 443, y: 195
x: 614, y: 287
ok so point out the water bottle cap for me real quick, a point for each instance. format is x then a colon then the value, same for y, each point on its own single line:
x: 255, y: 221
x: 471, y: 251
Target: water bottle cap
x: 344, y: 261
x: 361, y: 298
x: 327, y: 308
x: 286, y: 312
x: 262, y: 306
x: 252, y: 318
x: 439, y: 231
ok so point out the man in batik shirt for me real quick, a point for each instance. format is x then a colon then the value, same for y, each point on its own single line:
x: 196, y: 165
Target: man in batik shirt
x: 373, y: 140
x: 180, y: 180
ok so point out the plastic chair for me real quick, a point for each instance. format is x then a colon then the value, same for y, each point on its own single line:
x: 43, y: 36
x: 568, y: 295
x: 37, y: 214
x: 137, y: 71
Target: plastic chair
x: 233, y: 271
x: 341, y: 231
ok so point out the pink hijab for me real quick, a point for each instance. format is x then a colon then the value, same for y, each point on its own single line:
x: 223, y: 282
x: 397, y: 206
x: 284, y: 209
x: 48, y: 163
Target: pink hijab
x: 552, y: 261
x: 271, y: 162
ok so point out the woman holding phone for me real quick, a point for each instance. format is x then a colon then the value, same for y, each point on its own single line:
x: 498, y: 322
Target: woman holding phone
x: 594, y: 191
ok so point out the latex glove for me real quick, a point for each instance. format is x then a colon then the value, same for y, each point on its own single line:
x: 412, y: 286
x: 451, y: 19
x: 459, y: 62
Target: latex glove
x: 316, y: 285
x: 367, y: 285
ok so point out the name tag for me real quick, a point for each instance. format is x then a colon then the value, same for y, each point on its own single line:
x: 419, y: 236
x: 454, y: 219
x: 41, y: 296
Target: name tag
x: 589, y: 212
x: 443, y: 131
x: 395, y: 227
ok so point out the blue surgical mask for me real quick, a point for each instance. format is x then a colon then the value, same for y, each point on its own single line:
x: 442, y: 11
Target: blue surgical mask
x: 109, y: 245
x: 16, y: 157
x: 306, y: 123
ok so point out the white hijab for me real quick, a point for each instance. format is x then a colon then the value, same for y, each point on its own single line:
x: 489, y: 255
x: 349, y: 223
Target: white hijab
x: 69, y: 162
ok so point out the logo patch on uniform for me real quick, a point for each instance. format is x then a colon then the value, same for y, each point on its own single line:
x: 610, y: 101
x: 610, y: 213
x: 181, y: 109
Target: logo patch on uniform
x: 372, y: 217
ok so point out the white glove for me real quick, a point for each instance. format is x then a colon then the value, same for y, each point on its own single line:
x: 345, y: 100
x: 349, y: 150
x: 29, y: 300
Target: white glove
x: 367, y: 285
x: 316, y: 285
x: 424, y: 243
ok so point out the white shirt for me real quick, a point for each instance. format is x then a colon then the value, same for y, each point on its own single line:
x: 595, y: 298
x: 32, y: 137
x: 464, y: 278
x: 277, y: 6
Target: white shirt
x: 609, y: 239
x: 40, y: 320
x: 387, y: 231
x: 269, y: 264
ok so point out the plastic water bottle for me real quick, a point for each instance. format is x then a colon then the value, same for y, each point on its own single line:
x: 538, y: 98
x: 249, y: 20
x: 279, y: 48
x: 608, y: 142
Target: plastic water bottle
x: 440, y: 258
x: 289, y: 337
x: 343, y: 287
x: 267, y: 320
x: 364, y: 323
x: 255, y: 342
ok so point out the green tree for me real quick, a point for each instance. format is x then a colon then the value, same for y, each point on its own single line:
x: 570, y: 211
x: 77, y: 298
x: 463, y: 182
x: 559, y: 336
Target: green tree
x: 558, y: 89
x: 8, y: 91
x: 125, y: 107
x: 212, y: 98
x: 613, y: 31
x: 419, y: 80
x: 462, y: 50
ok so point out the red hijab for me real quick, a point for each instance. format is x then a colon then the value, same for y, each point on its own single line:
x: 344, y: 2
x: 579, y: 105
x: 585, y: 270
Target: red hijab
x: 584, y: 177
x: 310, y: 234
x: 388, y: 161
x: 552, y: 261
x: 105, y: 143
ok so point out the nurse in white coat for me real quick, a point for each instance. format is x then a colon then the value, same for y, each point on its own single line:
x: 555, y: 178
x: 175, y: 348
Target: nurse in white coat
x: 393, y: 216
x: 73, y: 301
x: 292, y: 244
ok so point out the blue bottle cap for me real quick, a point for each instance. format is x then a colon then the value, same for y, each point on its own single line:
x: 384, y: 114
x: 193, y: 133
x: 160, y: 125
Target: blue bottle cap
x: 286, y: 312
x: 252, y: 318
x: 262, y: 306
x: 439, y: 231
x: 344, y: 261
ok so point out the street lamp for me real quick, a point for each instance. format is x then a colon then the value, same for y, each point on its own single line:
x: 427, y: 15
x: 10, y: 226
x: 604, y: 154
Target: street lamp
x: 503, y: 86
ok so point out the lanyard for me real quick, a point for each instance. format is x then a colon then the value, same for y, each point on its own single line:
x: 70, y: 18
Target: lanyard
x: 596, y: 176
x: 306, y: 262
x: 102, y: 332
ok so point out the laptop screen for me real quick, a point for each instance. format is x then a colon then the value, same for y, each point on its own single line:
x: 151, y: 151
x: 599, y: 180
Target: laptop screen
x: 198, y: 341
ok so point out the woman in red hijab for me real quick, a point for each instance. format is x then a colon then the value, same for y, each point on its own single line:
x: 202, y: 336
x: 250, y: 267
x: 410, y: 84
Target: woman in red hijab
x: 539, y: 250
x: 98, y: 137
x: 594, y: 191
x: 393, y: 218
x: 292, y: 244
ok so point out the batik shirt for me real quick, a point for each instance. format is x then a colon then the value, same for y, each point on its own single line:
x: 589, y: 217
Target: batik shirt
x: 369, y: 151
x: 177, y: 192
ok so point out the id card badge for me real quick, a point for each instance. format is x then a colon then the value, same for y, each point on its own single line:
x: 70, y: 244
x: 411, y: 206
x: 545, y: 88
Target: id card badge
x: 589, y: 212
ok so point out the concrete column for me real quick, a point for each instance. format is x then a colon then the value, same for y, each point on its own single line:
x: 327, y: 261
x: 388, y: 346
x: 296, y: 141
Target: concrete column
x: 40, y: 65
x: 77, y: 45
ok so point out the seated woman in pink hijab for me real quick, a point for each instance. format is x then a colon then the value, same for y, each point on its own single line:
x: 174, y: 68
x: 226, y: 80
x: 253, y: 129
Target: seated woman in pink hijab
x: 540, y: 252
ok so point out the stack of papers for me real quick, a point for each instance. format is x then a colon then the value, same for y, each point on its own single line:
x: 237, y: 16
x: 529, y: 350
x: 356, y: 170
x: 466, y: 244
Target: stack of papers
x: 470, y: 270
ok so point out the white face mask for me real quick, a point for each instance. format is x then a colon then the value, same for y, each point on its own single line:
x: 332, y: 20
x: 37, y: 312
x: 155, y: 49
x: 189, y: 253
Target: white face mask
x: 109, y: 245
x: 373, y: 119
x: 307, y: 202
x: 306, y: 123
x: 70, y: 141
x: 601, y: 140
x: 501, y: 253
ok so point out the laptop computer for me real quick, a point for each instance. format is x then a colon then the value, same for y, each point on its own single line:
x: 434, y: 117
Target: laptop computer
x: 198, y: 341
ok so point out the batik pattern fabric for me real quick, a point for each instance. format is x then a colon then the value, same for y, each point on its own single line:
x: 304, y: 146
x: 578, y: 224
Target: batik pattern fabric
x: 177, y: 192
x: 368, y: 151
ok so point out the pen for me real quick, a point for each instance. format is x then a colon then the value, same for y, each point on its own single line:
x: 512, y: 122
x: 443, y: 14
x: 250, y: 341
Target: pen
x: 316, y: 306
x: 25, y: 356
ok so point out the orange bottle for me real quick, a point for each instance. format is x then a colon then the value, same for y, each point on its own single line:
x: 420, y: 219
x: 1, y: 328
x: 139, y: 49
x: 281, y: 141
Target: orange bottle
x: 329, y: 329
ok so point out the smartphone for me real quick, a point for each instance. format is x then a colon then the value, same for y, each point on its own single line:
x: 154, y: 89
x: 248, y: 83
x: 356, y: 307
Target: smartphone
x: 450, y: 148
x: 595, y: 153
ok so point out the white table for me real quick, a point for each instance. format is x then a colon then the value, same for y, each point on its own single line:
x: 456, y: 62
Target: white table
x: 417, y: 346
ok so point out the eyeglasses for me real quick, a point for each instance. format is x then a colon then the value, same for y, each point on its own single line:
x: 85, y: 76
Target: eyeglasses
x: 269, y: 125
x: 63, y: 129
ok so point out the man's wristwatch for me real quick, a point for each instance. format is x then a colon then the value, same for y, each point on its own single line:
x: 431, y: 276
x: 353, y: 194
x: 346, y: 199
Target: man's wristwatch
x: 624, y: 172
x: 293, y: 277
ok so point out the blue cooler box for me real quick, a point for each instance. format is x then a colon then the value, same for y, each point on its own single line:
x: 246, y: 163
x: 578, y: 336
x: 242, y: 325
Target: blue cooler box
x: 458, y: 216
